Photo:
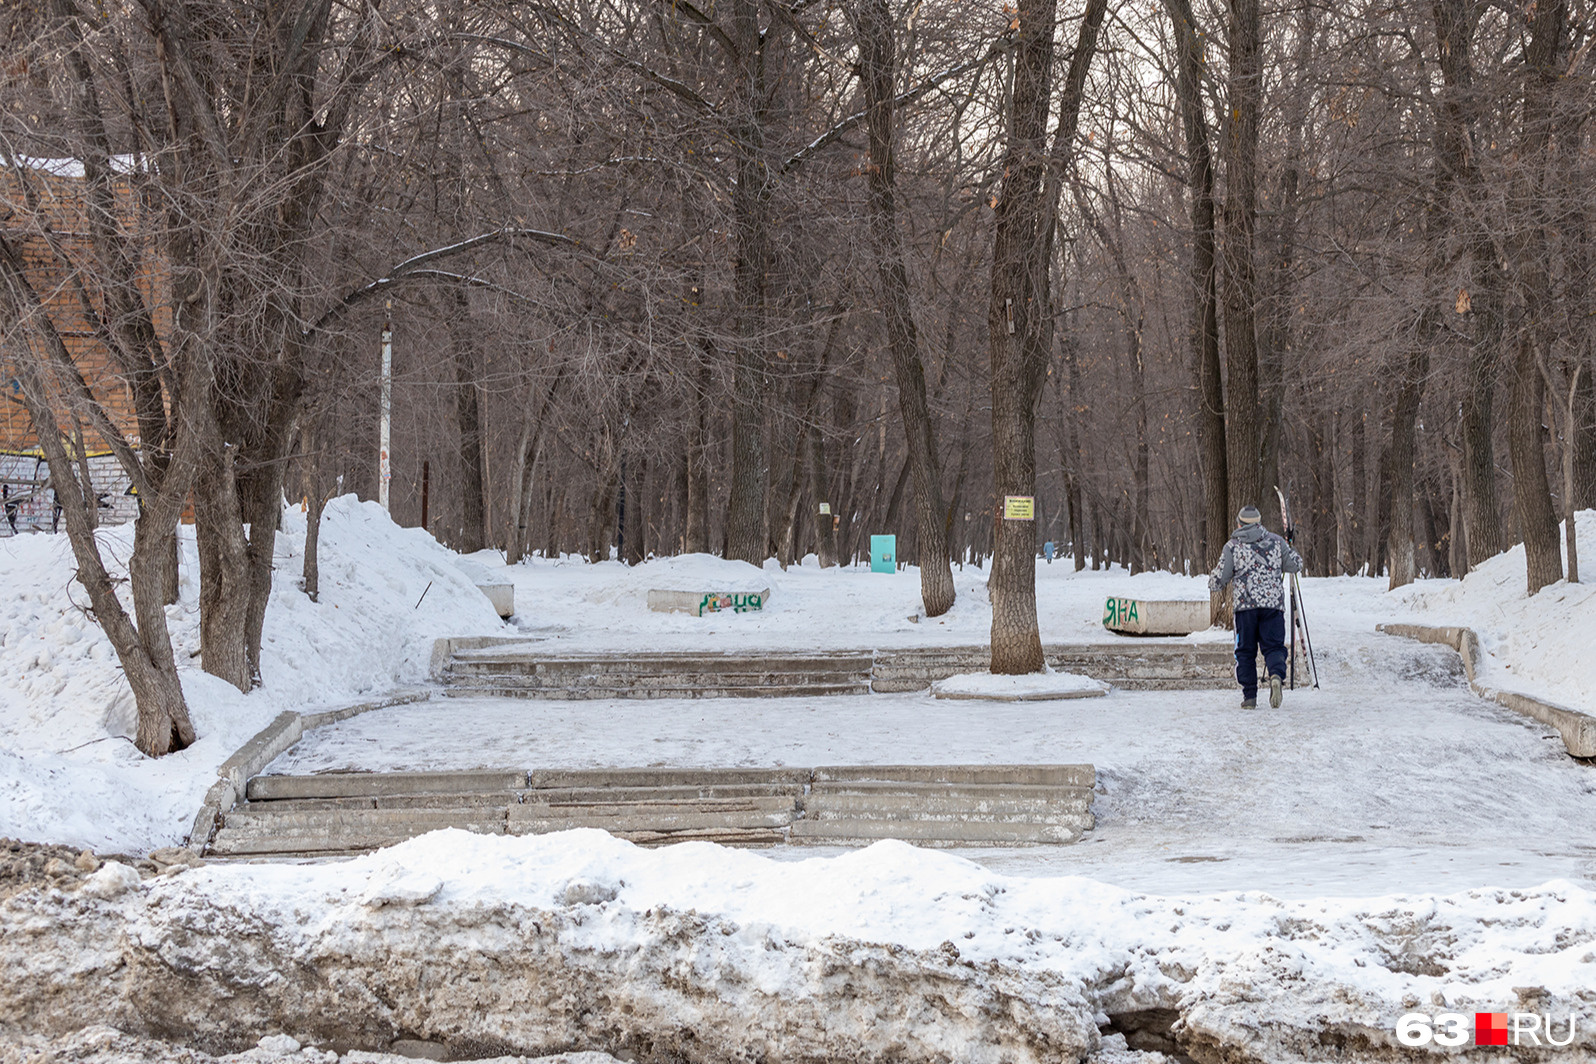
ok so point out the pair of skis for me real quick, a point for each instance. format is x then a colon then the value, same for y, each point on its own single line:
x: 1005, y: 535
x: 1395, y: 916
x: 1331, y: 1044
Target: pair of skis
x: 1298, y: 619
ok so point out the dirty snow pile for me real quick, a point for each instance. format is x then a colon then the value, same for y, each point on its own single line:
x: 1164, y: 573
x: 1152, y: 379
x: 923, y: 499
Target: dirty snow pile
x: 69, y: 772
x: 699, y: 952
x: 1539, y: 644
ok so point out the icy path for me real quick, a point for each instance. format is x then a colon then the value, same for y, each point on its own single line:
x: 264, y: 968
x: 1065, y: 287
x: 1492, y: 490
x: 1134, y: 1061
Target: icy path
x: 1394, y: 778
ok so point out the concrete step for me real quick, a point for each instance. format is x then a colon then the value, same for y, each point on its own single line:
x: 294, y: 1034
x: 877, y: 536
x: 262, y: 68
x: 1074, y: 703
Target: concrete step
x: 724, y: 836
x: 495, y: 799
x: 821, y: 805
x: 663, y: 776
x: 374, y: 784
x: 635, y: 807
x: 1137, y: 665
x: 972, y: 792
x: 1047, y: 775
x: 673, y: 681
x: 531, y: 820
x: 936, y: 832
x: 662, y: 793
x: 229, y: 843
x: 936, y: 805
x: 248, y: 819
x: 632, y: 662
x: 580, y: 694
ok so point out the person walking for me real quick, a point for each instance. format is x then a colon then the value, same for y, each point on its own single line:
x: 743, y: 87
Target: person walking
x: 1255, y: 561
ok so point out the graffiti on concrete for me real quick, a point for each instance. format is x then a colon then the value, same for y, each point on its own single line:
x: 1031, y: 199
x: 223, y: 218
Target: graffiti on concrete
x: 716, y: 602
x: 1121, y: 613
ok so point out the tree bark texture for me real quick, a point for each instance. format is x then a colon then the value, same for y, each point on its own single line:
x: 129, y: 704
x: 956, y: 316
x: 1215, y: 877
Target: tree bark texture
x: 877, y: 71
x: 747, y: 536
x: 1019, y: 315
x: 1526, y: 434
x: 1205, y: 359
x: 1243, y: 410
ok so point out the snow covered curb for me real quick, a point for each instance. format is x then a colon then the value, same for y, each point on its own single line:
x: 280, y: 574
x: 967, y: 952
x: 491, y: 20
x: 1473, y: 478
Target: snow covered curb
x: 494, y: 944
x: 278, y: 736
x: 1577, y: 729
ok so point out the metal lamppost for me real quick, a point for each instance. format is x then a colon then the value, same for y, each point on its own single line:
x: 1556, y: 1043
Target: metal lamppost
x: 384, y: 465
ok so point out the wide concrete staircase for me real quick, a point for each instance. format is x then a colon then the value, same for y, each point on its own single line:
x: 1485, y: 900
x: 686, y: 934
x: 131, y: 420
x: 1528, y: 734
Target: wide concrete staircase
x: 931, y: 805
x: 527, y: 670
x: 518, y: 672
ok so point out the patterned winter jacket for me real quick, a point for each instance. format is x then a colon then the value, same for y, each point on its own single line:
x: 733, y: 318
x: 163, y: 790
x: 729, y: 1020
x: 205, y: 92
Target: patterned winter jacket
x: 1253, y: 560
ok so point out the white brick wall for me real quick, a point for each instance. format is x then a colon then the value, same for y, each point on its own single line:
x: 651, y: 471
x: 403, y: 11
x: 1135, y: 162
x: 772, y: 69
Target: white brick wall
x: 28, y: 479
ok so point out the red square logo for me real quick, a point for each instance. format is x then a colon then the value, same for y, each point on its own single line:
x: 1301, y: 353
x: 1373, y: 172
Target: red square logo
x: 1490, y: 1028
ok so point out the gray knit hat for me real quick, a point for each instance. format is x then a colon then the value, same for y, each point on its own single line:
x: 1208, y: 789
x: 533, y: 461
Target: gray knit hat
x: 1249, y: 515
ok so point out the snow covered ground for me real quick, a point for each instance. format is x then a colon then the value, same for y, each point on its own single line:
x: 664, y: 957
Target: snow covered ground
x: 69, y: 772
x: 1372, y: 784
x: 1277, y: 878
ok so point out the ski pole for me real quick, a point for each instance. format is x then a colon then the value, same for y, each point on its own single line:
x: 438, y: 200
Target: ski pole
x: 1307, y: 638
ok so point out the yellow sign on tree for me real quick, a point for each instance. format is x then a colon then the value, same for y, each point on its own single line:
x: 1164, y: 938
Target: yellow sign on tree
x: 1019, y: 508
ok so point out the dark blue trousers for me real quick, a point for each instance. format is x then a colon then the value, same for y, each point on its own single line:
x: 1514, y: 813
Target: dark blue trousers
x: 1254, y: 628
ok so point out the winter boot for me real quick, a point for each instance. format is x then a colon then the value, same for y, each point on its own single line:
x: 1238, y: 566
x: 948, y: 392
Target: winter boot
x: 1276, y: 692
x: 1249, y: 703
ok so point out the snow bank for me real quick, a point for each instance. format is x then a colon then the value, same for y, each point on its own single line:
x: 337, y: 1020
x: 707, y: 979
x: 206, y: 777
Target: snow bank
x: 1538, y: 644
x: 702, y: 953
x: 69, y: 772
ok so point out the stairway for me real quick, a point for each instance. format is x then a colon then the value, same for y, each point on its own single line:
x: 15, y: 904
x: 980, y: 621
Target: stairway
x: 508, y: 671
x: 931, y: 805
x: 525, y: 670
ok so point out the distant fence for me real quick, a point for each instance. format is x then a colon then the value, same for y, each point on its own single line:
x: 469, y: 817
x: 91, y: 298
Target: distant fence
x: 30, y: 498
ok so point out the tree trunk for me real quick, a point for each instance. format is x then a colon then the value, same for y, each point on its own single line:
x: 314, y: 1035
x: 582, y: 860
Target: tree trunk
x: 877, y: 69
x: 1532, y: 493
x: 224, y: 567
x: 696, y: 533
x: 143, y: 648
x: 1242, y: 406
x: 315, y: 502
x: 1460, y: 110
x: 1018, y: 308
x: 747, y: 537
x: 1526, y: 437
x: 1205, y: 361
x: 825, y: 522
x: 1399, y: 469
x: 468, y: 418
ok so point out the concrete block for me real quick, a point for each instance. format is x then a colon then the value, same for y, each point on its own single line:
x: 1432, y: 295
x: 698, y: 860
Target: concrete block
x: 1132, y: 616
x: 502, y: 596
x: 699, y: 603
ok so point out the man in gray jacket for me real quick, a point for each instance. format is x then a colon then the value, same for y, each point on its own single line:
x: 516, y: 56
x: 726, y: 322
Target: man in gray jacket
x: 1254, y: 560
